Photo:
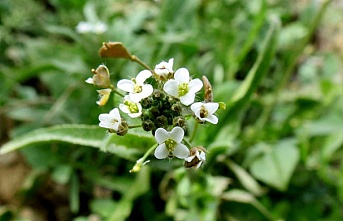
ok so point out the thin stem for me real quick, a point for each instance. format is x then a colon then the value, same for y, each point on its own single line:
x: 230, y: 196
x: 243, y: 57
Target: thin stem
x: 194, y: 132
x: 117, y: 92
x: 137, y: 167
x: 187, y: 142
x: 135, y: 126
x: 136, y: 59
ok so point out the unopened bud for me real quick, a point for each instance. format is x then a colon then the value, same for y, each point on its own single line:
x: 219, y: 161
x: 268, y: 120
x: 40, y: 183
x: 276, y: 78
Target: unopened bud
x: 101, y: 77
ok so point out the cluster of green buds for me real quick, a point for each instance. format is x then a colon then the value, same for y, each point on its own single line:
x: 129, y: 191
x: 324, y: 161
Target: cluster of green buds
x: 162, y: 99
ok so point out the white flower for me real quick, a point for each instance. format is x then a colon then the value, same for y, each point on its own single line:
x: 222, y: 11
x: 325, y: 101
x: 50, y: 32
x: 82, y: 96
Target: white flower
x: 98, y: 27
x: 163, y: 69
x: 136, y: 87
x: 104, y: 94
x: 111, y: 120
x: 205, y: 111
x: 170, y: 143
x: 182, y: 87
x: 131, y: 108
x: 197, y: 157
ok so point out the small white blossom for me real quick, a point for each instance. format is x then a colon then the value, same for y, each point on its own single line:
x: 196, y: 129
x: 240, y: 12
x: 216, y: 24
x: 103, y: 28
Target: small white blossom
x: 164, y: 69
x: 197, y: 157
x: 136, y: 87
x: 170, y: 143
x: 183, y: 87
x: 98, y: 27
x: 131, y: 108
x: 104, y: 94
x: 205, y: 111
x: 111, y: 120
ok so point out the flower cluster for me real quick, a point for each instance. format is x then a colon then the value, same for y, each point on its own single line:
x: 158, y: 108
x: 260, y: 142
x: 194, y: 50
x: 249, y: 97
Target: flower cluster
x: 163, y: 100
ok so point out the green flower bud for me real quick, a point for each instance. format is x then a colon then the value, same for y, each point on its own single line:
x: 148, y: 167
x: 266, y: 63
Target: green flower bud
x: 162, y: 121
x: 148, y: 125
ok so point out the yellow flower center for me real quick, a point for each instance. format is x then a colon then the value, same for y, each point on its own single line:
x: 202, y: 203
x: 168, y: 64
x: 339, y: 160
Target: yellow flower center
x: 183, y: 89
x: 170, y: 144
x: 133, y: 107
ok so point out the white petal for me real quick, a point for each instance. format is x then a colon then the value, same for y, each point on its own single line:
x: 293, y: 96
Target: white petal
x: 161, y: 135
x: 135, y: 97
x: 170, y: 87
x: 211, y: 107
x: 196, y: 106
x: 212, y: 119
x: 142, y: 76
x: 202, y: 156
x: 187, y: 99
x: 126, y: 85
x: 181, y: 151
x: 195, y: 85
x: 104, y: 118
x: 171, y: 63
x: 177, y: 134
x: 199, y: 164
x: 90, y: 81
x: 147, y: 90
x: 189, y: 159
x: 161, y: 151
x: 124, y: 108
x: 115, y: 114
x: 134, y: 115
x: 182, y: 75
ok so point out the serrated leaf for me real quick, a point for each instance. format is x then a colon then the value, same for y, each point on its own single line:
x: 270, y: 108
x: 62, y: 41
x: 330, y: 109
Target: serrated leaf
x: 276, y: 167
x: 114, y: 50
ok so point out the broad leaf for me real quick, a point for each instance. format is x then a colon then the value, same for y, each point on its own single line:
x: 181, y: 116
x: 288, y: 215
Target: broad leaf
x: 275, y: 168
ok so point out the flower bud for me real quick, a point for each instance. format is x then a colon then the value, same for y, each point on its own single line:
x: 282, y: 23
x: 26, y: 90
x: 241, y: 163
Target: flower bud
x: 179, y: 121
x: 176, y: 108
x: 101, y: 77
x: 197, y: 157
x: 148, y: 125
x: 162, y: 121
x: 104, y: 94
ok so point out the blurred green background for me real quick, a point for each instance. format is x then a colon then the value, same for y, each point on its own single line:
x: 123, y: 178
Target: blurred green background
x: 276, y: 153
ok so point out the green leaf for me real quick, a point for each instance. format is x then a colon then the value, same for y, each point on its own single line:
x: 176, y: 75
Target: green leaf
x: 242, y: 196
x: 243, y: 94
x: 76, y: 134
x: 275, y: 168
x: 245, y: 178
x: 88, y: 135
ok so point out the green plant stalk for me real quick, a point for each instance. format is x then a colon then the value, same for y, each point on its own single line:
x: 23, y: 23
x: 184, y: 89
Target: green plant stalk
x: 137, y: 167
x: 136, y: 59
x: 290, y: 67
x: 194, y: 132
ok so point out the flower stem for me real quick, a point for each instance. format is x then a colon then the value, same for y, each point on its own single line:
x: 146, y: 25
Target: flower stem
x: 137, y: 167
x: 136, y: 59
x: 187, y: 143
x: 135, y: 126
x: 117, y: 92
x: 194, y: 132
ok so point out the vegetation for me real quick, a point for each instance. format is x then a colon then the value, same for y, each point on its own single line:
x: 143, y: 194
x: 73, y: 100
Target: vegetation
x: 275, y: 154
